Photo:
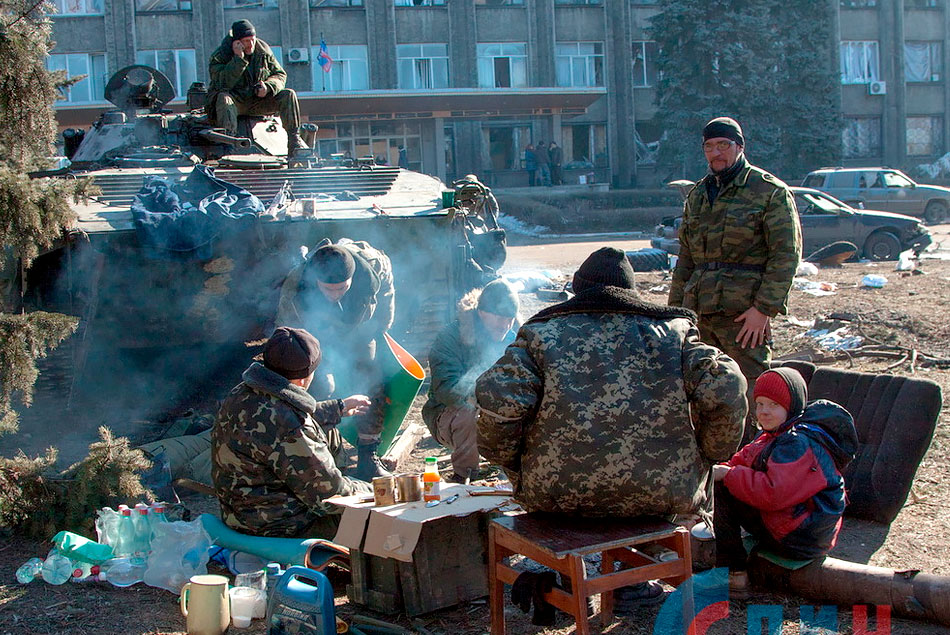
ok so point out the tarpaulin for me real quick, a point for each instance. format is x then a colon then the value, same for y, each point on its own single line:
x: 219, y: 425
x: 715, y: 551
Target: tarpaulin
x: 185, y: 217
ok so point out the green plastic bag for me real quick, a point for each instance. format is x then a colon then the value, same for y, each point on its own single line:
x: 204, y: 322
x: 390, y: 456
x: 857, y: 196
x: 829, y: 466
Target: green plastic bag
x: 76, y: 547
x: 402, y: 379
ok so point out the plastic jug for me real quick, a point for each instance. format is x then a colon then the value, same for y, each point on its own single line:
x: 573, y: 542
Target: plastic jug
x: 297, y: 606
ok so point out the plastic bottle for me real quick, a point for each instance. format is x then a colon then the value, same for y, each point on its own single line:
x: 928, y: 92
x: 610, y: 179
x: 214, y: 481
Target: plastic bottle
x: 29, y: 570
x: 122, y: 572
x: 57, y: 569
x: 125, y: 533
x: 431, y: 481
x: 273, y: 576
x: 143, y: 530
x: 156, y: 516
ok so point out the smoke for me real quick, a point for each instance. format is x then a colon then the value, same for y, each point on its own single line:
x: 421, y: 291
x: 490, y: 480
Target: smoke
x: 162, y: 333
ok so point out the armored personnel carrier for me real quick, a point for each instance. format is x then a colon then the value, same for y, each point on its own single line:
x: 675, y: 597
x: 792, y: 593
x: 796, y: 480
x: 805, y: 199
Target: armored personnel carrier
x: 167, y: 310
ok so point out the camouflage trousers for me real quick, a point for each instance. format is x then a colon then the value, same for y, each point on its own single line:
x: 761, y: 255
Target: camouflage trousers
x: 721, y: 331
x: 226, y: 109
x: 456, y: 430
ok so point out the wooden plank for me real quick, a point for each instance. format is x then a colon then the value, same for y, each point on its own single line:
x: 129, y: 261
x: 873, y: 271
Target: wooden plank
x: 408, y: 439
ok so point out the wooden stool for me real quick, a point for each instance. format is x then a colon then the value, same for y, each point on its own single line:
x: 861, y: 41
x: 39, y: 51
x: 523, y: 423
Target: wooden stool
x: 560, y: 542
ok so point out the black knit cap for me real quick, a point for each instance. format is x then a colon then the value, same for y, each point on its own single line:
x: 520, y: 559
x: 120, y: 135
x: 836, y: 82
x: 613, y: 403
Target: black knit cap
x: 499, y: 298
x: 725, y: 127
x: 608, y: 266
x: 242, y: 29
x: 333, y: 264
x: 293, y: 353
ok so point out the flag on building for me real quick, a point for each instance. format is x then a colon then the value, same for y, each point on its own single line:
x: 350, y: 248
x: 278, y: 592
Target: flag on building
x: 323, y: 58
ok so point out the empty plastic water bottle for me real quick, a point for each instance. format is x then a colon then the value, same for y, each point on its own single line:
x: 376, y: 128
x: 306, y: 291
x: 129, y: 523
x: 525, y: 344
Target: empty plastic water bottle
x: 155, y: 517
x: 143, y: 531
x: 123, y: 572
x: 125, y: 534
x: 29, y: 570
x: 57, y: 569
x: 107, y: 526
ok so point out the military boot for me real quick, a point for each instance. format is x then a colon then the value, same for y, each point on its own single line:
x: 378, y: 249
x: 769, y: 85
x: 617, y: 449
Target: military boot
x: 368, y: 465
x: 295, y: 142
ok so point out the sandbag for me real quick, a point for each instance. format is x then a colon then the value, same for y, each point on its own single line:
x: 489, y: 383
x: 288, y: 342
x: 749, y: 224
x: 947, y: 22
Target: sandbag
x: 188, y: 456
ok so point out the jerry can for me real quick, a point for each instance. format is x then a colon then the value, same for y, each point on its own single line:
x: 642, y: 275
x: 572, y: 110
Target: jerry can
x: 302, y: 602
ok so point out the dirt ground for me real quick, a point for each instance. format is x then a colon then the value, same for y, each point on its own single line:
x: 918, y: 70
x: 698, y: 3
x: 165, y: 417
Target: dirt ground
x: 909, y: 311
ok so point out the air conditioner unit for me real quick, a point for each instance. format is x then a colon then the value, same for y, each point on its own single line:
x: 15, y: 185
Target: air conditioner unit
x: 877, y: 88
x: 298, y: 55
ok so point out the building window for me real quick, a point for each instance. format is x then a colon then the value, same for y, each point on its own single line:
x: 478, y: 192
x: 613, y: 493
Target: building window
x: 859, y: 62
x: 578, y: 1
x: 861, y: 137
x: 580, y: 63
x: 93, y: 65
x: 644, y: 63
x: 499, y: 3
x: 503, y: 65
x: 379, y: 139
x: 78, y: 7
x: 924, y: 4
x: 419, y: 3
x: 858, y: 4
x: 348, y: 71
x: 146, y: 6
x: 250, y: 4
x: 178, y: 65
x: 336, y: 3
x: 422, y: 66
x: 504, y: 146
x: 584, y: 146
x: 924, y: 136
x: 923, y: 61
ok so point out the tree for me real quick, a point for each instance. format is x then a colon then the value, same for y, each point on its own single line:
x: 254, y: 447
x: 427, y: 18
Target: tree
x: 33, y: 212
x: 769, y: 64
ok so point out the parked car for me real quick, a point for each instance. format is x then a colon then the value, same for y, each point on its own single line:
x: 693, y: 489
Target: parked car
x: 825, y: 219
x: 884, y: 189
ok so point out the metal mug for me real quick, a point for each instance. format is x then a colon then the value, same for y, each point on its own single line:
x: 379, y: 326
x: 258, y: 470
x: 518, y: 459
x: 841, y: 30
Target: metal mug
x: 409, y: 487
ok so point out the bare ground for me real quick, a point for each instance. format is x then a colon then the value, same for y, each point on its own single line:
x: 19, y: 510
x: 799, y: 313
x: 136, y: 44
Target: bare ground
x: 909, y: 311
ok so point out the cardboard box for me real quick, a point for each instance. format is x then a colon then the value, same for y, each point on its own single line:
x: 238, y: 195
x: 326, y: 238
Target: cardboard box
x: 416, y: 558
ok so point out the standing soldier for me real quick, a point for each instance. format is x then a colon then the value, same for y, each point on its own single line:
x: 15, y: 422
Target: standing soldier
x: 740, y: 243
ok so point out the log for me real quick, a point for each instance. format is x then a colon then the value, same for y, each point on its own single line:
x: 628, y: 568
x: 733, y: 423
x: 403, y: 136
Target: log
x: 408, y: 440
x: 912, y: 594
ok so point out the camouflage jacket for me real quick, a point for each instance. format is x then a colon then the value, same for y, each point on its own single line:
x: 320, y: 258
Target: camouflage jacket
x: 588, y: 411
x: 364, y: 313
x: 239, y: 75
x: 269, y: 457
x: 741, y: 251
x: 460, y: 353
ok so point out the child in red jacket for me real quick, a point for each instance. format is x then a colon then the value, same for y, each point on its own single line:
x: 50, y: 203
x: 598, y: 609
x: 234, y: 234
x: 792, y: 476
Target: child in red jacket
x: 785, y: 488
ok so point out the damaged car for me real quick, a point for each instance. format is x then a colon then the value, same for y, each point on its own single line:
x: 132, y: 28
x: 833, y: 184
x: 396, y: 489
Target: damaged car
x: 825, y: 220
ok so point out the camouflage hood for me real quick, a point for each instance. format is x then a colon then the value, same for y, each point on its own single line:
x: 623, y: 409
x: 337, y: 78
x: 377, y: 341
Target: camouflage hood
x: 607, y: 299
x: 266, y: 381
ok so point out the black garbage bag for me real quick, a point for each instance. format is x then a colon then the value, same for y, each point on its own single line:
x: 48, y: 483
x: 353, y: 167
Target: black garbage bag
x: 184, y: 218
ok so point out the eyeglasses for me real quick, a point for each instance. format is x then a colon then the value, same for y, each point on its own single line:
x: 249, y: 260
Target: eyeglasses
x: 722, y: 146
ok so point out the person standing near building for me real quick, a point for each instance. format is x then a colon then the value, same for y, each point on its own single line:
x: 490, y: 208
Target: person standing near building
x: 531, y: 164
x: 246, y: 79
x: 544, y: 162
x: 740, y: 244
x: 555, y: 156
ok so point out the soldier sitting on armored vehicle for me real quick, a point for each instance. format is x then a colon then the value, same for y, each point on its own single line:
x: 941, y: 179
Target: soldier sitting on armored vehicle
x: 344, y: 294
x: 246, y: 79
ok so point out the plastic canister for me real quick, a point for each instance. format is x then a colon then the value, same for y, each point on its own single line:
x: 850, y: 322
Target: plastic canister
x: 296, y: 606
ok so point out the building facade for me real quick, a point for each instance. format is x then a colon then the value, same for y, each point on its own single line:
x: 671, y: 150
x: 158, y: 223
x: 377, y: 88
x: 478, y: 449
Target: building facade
x: 462, y: 86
